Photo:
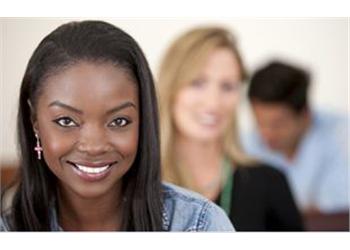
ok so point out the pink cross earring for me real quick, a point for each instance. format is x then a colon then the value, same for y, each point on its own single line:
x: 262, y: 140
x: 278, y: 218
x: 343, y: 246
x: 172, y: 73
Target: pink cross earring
x: 38, y: 148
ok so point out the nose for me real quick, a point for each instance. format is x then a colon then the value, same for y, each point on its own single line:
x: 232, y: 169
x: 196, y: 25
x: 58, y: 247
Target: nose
x: 212, y: 98
x: 93, y: 141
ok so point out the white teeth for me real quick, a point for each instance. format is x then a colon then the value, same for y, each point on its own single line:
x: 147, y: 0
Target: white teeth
x: 91, y: 170
x: 208, y: 119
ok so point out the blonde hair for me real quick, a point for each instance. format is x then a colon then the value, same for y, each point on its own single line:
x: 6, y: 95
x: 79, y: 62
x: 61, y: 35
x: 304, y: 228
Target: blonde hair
x: 179, y: 67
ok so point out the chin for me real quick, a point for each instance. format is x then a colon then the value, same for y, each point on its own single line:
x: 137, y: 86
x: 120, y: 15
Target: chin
x: 88, y: 190
x: 207, y: 137
x: 92, y: 192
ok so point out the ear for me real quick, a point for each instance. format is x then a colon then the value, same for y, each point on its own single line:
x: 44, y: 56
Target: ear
x: 33, y: 118
x: 306, y: 113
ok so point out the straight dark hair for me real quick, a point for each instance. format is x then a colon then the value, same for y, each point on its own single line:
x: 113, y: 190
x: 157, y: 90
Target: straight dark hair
x: 281, y: 83
x: 98, y: 42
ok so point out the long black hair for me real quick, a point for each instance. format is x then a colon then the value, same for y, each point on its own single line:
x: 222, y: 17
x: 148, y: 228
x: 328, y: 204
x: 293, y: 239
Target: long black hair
x: 94, y: 41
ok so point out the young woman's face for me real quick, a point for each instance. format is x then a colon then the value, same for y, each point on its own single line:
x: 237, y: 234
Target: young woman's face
x: 204, y: 108
x: 87, y: 120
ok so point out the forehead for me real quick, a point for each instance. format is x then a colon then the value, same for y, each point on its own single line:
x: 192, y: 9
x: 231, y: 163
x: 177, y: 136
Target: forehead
x: 272, y: 110
x: 222, y: 61
x: 90, y: 82
x: 221, y: 55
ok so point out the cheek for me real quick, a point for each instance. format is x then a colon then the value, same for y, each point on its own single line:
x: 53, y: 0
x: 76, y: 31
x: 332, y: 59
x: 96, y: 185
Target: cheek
x: 183, y: 118
x: 188, y: 98
x: 55, y: 144
x: 55, y: 148
x: 179, y: 109
x: 185, y: 102
x: 126, y: 143
x: 229, y: 106
x: 290, y: 132
x: 231, y: 100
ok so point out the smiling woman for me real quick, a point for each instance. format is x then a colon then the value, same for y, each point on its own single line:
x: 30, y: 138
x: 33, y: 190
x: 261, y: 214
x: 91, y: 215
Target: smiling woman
x: 86, y: 143
x: 89, y: 144
x: 200, y: 83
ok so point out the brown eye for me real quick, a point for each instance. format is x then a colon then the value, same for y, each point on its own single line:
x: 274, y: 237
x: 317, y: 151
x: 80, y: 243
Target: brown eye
x: 66, y: 122
x: 119, y: 122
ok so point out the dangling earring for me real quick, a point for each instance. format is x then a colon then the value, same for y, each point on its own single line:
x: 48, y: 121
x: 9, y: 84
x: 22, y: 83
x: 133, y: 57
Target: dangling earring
x: 38, y: 147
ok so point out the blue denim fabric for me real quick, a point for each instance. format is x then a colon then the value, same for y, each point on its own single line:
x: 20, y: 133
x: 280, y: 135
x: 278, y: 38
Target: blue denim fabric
x: 183, y: 210
x: 187, y: 211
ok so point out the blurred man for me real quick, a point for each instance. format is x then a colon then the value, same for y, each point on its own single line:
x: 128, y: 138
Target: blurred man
x: 308, y: 146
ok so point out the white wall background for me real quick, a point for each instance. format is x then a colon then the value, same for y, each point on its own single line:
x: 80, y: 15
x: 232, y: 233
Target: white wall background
x: 319, y: 44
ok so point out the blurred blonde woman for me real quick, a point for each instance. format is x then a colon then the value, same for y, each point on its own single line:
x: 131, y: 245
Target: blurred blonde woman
x: 199, y: 85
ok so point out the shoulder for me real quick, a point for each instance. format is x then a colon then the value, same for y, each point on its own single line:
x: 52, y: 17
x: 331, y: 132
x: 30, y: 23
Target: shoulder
x: 185, y: 210
x: 3, y: 225
x: 260, y: 171
x: 265, y: 183
x: 333, y: 129
x: 323, y: 121
x: 259, y: 177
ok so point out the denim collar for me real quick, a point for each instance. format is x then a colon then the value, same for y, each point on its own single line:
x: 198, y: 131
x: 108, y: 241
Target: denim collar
x: 54, y: 225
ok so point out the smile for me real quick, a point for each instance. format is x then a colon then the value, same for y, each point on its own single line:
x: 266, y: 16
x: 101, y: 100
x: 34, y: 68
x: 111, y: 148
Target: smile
x: 92, y: 171
x: 208, y: 119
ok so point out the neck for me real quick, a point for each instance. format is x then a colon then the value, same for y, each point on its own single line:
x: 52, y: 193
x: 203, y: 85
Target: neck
x: 291, y: 152
x: 201, y: 161
x: 198, y: 154
x: 77, y: 213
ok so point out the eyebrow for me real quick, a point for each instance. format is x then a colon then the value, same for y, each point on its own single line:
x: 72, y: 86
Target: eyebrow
x: 113, y: 110
x: 65, y: 106
x: 120, y: 107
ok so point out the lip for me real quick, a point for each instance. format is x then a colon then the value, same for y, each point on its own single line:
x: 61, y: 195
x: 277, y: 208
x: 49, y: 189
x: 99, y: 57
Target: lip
x: 92, y: 177
x: 209, y: 119
x: 208, y: 123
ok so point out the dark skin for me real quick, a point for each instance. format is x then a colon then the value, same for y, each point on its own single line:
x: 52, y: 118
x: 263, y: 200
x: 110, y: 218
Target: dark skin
x: 281, y: 128
x: 88, y: 116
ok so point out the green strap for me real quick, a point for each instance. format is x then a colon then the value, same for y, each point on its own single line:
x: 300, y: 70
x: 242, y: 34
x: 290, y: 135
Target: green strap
x: 225, y: 198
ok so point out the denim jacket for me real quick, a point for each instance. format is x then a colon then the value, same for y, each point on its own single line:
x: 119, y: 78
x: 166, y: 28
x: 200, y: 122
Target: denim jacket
x: 183, y: 210
x: 187, y: 211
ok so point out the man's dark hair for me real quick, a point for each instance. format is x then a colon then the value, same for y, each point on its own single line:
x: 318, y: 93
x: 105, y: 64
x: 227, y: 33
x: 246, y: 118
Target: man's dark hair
x: 280, y: 83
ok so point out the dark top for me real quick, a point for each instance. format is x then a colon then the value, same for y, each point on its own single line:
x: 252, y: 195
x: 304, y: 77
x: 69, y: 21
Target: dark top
x: 261, y: 200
